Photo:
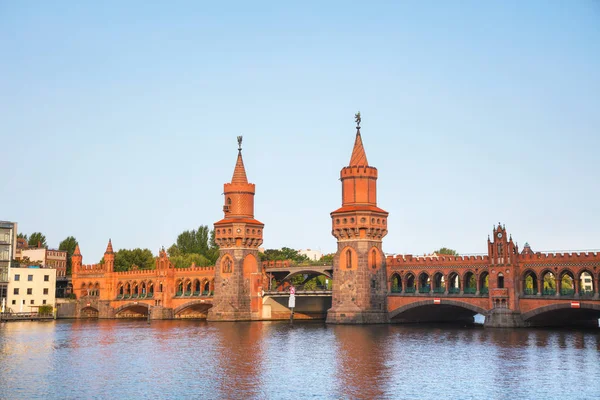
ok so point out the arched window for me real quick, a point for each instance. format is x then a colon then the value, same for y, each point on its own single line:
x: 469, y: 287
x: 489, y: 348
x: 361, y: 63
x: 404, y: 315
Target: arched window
x: 348, y: 258
x: 374, y: 255
x: 229, y: 201
x: 500, y: 281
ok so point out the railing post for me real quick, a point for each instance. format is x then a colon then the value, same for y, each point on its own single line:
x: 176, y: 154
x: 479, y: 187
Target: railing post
x: 477, y: 285
x: 540, y: 286
x: 557, y: 284
x: 576, y: 284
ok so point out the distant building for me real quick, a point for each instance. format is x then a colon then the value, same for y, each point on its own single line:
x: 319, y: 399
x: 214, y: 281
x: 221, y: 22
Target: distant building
x: 31, y: 287
x: 46, y: 258
x: 8, y: 244
x: 314, y: 255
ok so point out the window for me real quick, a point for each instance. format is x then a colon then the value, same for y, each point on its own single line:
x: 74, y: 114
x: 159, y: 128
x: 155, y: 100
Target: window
x: 46, y: 278
x: 45, y: 290
x: 500, y: 281
x: 43, y: 301
x: 14, y: 302
x: 17, y: 277
x: 29, y: 291
x: 348, y: 258
x: 29, y: 278
x: 30, y: 301
x: 16, y: 290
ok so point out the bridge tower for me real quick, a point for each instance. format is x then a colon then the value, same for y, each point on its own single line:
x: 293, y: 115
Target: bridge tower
x: 504, y: 280
x: 238, y: 278
x: 359, y: 294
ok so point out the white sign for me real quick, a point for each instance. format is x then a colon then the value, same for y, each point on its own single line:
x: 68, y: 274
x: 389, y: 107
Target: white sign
x: 292, y: 301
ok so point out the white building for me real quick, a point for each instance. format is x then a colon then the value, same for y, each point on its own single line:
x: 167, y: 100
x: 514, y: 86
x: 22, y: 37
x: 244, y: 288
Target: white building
x: 314, y: 255
x: 8, y: 245
x: 29, y: 288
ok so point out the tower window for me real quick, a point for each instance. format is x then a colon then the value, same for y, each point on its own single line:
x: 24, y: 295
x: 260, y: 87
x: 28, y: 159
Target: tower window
x: 229, y: 201
x: 374, y: 256
x: 348, y: 258
x: 500, y: 281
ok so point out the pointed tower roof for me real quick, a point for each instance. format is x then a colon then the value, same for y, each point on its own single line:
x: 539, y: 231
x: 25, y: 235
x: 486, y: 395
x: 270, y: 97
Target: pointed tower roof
x: 359, y: 157
x: 239, y: 173
x: 77, y: 252
x: 109, y: 248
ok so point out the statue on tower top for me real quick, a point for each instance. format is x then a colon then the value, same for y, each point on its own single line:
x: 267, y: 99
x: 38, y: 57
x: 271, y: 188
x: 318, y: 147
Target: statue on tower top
x: 239, y: 139
x: 357, y: 119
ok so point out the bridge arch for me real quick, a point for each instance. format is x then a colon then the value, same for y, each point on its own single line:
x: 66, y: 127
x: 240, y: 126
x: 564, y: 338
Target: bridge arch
x: 88, y: 312
x: 196, y: 309
x: 132, y: 310
x: 428, y: 311
x: 561, y: 314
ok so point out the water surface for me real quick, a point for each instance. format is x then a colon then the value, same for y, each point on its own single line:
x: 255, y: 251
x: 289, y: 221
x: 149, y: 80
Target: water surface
x: 263, y: 360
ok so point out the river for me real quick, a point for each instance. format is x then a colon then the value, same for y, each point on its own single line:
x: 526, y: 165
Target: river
x: 271, y: 360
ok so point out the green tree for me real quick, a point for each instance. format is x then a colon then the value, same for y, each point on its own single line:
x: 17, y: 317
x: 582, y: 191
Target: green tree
x: 327, y: 258
x: 186, y: 260
x: 22, y: 236
x: 35, y: 238
x: 68, y: 245
x: 285, y: 253
x: 126, y: 259
x: 194, y: 241
x: 446, y: 251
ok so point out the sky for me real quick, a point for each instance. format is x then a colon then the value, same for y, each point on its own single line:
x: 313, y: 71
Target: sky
x: 119, y: 119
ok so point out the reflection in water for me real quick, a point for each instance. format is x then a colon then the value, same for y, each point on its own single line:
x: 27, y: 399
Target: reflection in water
x: 196, y: 359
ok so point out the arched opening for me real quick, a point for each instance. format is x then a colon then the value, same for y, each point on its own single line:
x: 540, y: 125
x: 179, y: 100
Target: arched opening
x: 127, y: 290
x: 530, y: 283
x: 427, y: 311
x: 470, y: 283
x: 179, y: 288
x: 120, y: 291
x: 410, y: 283
x: 150, y: 289
x: 586, y: 284
x: 188, y: 288
x: 396, y: 284
x: 206, y: 288
x: 549, y: 282
x: 374, y: 258
x: 424, y: 283
x: 453, y: 283
x: 567, y: 283
x: 136, y: 290
x: 229, y: 201
x: 143, y: 289
x: 500, y: 280
x: 439, y: 283
x: 484, y: 283
x: 197, y: 287
x: 348, y: 258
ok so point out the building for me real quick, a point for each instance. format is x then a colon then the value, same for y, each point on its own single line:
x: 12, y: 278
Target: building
x: 31, y: 287
x: 8, y: 245
x: 314, y: 255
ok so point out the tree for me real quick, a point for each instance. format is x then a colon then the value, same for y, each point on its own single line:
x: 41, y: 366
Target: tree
x: 446, y: 251
x: 200, y: 242
x: 35, y: 238
x: 68, y: 245
x: 22, y: 236
x: 186, y: 260
x: 126, y: 259
x: 194, y: 241
x: 327, y: 258
x: 285, y: 253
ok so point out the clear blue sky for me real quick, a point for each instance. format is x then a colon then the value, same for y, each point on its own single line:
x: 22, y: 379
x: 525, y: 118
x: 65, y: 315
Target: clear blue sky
x: 119, y: 119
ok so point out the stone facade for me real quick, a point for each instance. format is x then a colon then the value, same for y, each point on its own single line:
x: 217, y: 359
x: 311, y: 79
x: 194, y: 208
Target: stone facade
x: 359, y: 267
x: 238, y: 278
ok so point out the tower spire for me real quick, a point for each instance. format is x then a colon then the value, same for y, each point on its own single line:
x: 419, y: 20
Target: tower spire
x: 109, y: 248
x: 239, y: 173
x: 359, y: 157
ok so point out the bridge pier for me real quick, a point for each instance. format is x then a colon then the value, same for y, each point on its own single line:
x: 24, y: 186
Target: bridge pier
x: 503, y: 318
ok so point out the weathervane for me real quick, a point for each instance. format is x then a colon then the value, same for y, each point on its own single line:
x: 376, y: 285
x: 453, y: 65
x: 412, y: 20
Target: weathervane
x: 357, y: 119
x: 239, y: 143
